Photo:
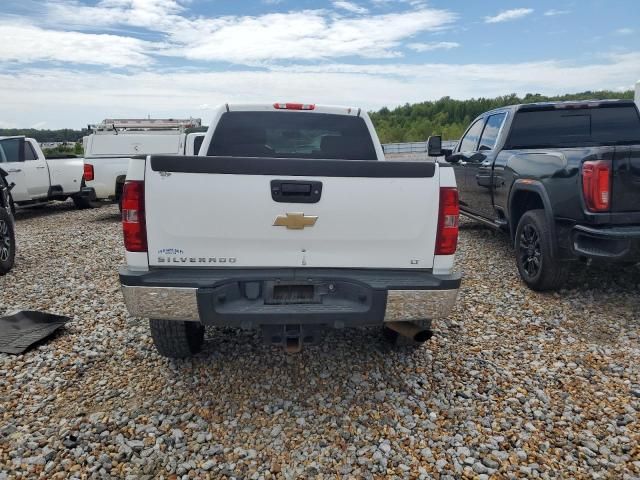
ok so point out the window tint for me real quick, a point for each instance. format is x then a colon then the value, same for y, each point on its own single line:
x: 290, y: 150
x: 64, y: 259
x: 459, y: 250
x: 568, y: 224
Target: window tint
x: 197, y: 143
x: 490, y: 132
x: 29, y: 154
x: 292, y: 135
x: 559, y: 128
x: 11, y: 148
x: 469, y: 142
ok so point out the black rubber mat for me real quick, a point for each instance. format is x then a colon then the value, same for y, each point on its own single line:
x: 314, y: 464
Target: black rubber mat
x: 22, y: 329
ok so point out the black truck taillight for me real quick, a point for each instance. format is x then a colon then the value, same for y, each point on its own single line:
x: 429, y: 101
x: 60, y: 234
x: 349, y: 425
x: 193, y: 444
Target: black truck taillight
x: 133, y: 216
x: 596, y: 185
x: 448, y: 215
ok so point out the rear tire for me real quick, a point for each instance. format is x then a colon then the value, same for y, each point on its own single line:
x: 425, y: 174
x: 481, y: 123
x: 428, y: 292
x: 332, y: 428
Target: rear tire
x: 7, y: 241
x: 177, y: 339
x: 537, y: 265
x: 83, y: 202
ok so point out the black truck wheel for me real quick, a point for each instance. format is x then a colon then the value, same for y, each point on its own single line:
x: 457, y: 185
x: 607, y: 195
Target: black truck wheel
x: 177, y: 339
x: 7, y: 241
x: 538, y: 268
x: 85, y: 201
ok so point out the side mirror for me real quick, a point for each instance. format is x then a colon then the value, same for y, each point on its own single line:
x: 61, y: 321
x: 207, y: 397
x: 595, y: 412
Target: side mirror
x: 434, y: 146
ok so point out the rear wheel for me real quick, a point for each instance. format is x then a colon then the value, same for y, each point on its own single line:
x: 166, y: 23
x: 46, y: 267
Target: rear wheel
x: 537, y: 266
x: 119, y: 192
x: 84, y: 201
x: 177, y: 339
x: 7, y: 242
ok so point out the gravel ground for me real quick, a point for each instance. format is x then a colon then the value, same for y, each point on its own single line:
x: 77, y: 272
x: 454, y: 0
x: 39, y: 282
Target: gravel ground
x: 518, y: 384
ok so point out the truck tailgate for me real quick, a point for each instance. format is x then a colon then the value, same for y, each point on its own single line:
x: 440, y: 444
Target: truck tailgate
x: 223, y: 212
x: 626, y: 179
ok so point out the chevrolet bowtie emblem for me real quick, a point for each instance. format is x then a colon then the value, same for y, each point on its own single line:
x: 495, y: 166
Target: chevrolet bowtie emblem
x: 295, y: 221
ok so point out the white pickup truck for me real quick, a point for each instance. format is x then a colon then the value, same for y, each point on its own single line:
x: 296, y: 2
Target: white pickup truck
x: 115, y: 141
x: 35, y: 179
x: 289, y: 220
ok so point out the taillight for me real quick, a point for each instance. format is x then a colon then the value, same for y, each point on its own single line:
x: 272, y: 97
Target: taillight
x: 294, y: 106
x: 449, y: 212
x: 596, y: 185
x: 133, y: 217
x: 87, y: 174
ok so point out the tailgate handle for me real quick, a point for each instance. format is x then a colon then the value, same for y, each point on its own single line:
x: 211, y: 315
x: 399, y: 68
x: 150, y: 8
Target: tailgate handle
x: 296, y: 191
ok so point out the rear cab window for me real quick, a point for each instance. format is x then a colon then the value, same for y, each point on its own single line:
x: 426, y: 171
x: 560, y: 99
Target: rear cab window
x: 292, y: 135
x: 491, y: 130
x: 575, y: 127
x: 29, y: 153
x: 469, y: 142
x: 197, y: 143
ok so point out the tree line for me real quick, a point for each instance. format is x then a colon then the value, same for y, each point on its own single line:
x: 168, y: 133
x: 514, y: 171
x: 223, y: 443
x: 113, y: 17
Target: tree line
x: 62, y: 135
x: 407, y: 123
x: 450, y: 118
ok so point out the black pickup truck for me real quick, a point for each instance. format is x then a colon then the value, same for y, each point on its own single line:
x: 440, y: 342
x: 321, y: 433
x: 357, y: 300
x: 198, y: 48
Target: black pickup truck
x: 7, y: 235
x: 562, y: 178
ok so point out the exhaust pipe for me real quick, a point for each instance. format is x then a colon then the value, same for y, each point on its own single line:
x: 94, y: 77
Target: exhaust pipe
x: 410, y: 330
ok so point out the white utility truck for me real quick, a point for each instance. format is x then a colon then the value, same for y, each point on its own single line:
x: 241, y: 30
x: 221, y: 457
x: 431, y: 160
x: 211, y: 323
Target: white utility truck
x: 289, y: 220
x: 35, y: 179
x: 114, y: 141
x: 637, y: 97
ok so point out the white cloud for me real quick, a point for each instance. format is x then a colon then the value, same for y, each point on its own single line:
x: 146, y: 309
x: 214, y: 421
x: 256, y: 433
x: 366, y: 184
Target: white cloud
x: 152, y: 14
x: 508, y: 15
x: 67, y: 98
x: 302, y: 34
x: 625, y: 31
x: 24, y: 43
x: 427, y: 47
x: 306, y: 35
x: 350, y: 7
x: 553, y: 12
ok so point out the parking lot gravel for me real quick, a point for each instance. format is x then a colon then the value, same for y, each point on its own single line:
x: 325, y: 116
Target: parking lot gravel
x: 516, y: 385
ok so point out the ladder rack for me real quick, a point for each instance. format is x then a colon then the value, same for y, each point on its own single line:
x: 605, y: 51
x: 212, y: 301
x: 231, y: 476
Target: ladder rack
x: 119, y: 124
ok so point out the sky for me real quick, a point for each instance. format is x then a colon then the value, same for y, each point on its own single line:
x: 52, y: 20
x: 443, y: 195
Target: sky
x: 68, y: 63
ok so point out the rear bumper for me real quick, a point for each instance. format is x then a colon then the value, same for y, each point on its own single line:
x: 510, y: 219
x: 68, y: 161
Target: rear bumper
x: 241, y: 298
x: 607, y: 243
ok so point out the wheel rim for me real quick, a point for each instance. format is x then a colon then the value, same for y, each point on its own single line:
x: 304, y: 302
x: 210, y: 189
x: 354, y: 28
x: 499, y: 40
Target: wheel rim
x: 5, y: 241
x: 530, y: 250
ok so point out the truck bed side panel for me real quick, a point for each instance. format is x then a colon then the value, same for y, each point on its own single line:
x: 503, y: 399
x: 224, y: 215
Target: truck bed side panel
x: 626, y: 180
x: 67, y: 173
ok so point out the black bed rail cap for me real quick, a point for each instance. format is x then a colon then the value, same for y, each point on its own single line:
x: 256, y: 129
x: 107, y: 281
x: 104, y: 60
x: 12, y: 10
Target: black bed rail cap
x: 295, y: 167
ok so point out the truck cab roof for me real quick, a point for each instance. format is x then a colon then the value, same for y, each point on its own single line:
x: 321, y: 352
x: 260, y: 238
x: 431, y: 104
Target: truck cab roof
x: 569, y: 104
